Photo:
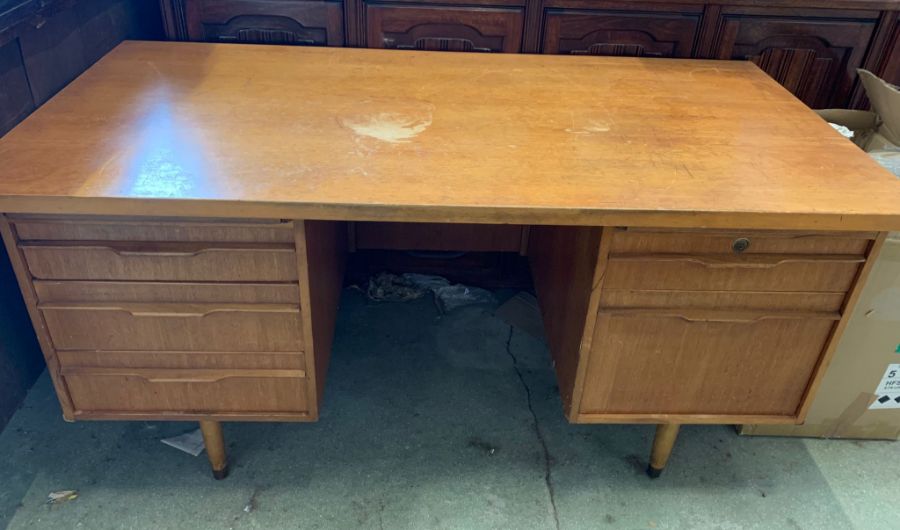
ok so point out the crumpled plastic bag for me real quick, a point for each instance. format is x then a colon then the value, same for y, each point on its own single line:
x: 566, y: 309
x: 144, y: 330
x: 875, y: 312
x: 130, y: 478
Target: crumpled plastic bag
x: 59, y: 497
x: 387, y: 287
x: 889, y: 159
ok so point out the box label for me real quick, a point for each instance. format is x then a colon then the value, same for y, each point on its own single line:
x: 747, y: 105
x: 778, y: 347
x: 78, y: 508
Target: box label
x: 888, y: 391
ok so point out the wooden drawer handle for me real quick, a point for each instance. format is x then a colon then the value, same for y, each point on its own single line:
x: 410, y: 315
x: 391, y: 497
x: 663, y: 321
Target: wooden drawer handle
x: 215, y: 378
x: 726, y: 319
x: 189, y: 379
x: 181, y: 375
x: 715, y: 264
x: 201, y: 314
x: 175, y: 310
x: 161, y: 253
x: 164, y: 249
x: 758, y: 261
x: 180, y: 314
x: 734, y: 317
x: 186, y: 253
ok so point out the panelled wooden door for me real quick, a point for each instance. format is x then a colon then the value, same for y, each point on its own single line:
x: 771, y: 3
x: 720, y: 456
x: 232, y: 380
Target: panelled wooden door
x: 890, y: 61
x: 441, y: 28
x: 311, y: 23
x: 632, y: 33
x: 815, y: 58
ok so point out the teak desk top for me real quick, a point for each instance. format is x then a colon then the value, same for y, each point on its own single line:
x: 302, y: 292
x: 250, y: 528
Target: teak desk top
x: 330, y: 133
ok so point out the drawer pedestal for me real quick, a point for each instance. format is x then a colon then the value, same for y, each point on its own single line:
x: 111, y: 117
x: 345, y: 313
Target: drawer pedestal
x: 693, y: 326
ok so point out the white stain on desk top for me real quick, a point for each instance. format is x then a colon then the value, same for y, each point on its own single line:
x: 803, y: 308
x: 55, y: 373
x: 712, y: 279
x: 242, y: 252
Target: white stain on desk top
x: 388, y: 127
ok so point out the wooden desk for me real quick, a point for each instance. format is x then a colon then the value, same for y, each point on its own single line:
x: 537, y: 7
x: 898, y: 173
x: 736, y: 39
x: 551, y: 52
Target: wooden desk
x: 177, y: 220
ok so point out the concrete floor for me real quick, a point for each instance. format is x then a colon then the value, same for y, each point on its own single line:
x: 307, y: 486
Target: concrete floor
x: 426, y: 424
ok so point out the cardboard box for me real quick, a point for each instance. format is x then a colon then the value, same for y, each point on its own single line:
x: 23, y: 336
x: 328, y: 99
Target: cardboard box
x: 860, y: 394
x: 875, y: 130
x: 847, y: 404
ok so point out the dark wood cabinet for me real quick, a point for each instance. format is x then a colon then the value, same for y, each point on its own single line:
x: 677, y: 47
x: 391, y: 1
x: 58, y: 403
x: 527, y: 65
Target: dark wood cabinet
x: 311, y: 23
x: 441, y: 28
x: 45, y: 44
x: 624, y: 33
x: 815, y: 58
x: 15, y: 98
x: 889, y: 64
x: 813, y: 47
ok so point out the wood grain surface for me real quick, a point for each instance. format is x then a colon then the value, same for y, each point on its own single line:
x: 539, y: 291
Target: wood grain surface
x: 295, y: 132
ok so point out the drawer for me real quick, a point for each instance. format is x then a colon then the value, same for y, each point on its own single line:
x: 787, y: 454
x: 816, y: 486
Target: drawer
x: 645, y: 241
x: 155, y: 391
x: 722, y: 272
x: 181, y: 360
x: 174, y: 327
x: 726, y: 300
x: 439, y: 236
x: 173, y: 261
x: 725, y: 363
x: 112, y: 229
x: 149, y: 292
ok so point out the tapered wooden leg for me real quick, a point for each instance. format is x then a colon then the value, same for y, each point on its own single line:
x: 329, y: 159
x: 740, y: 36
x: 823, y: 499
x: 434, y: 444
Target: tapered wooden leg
x: 666, y: 434
x: 215, y: 447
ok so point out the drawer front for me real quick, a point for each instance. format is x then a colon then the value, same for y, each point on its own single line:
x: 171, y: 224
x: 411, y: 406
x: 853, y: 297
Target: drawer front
x: 727, y: 273
x: 441, y: 28
x: 723, y: 300
x: 186, y: 392
x: 100, y: 229
x: 150, y: 292
x: 646, y: 241
x: 439, y: 236
x: 174, y: 327
x: 181, y: 360
x: 161, y: 262
x: 726, y: 364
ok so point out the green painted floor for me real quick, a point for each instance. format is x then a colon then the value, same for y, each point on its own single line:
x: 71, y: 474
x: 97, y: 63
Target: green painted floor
x: 426, y: 424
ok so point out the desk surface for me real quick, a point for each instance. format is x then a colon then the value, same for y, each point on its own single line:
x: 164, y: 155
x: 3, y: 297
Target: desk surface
x: 326, y: 133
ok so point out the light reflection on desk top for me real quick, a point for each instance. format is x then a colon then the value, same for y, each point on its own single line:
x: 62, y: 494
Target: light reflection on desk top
x: 267, y: 131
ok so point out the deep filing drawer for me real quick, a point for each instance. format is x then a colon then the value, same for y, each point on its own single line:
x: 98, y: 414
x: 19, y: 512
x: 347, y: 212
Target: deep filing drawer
x: 694, y: 362
x: 155, y: 391
x: 104, y: 229
x: 171, y: 261
x: 174, y: 327
x: 758, y: 272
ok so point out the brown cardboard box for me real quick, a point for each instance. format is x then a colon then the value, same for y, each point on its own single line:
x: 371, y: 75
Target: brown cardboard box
x: 847, y: 403
x: 878, y: 129
x: 868, y: 348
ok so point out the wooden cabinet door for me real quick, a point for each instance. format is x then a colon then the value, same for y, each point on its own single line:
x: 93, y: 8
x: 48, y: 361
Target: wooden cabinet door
x: 814, y: 57
x: 298, y: 22
x: 633, y: 34
x: 469, y: 29
x: 15, y: 100
x: 890, y: 60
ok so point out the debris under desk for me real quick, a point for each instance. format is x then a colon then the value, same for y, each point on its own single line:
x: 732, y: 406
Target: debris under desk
x: 189, y: 442
x: 388, y: 287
